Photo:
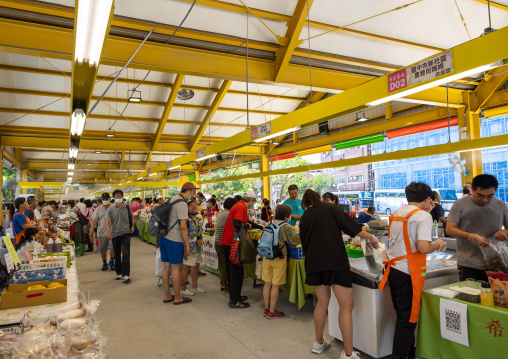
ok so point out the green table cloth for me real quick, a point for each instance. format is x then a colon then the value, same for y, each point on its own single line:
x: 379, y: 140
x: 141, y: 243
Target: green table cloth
x: 143, y: 232
x: 487, y: 328
x: 295, y: 285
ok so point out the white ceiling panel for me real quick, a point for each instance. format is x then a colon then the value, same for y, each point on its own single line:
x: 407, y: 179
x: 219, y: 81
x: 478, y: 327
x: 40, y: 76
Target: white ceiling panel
x: 94, y: 124
x: 186, y: 130
x: 186, y: 114
x: 6, y: 79
x: 43, y: 155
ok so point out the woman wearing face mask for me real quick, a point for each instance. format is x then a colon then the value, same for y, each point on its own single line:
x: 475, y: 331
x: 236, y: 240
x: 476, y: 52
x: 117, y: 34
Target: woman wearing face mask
x: 195, y: 258
x: 72, y: 213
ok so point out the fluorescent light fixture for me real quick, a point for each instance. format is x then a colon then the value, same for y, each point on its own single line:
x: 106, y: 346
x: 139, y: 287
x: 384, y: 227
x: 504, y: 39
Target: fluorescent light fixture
x: 362, y: 118
x: 432, y: 84
x: 110, y: 132
x: 77, y: 122
x: 174, y: 167
x: 69, y: 179
x: 70, y: 174
x: 134, y: 96
x: 154, y: 174
x: 70, y: 167
x: 92, y: 23
x: 73, y: 152
x: 276, y: 143
x: 289, y: 130
x: 205, y: 157
x: 98, y: 151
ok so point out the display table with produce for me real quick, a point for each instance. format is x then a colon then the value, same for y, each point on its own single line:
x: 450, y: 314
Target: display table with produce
x: 486, y: 329
x: 43, y: 312
x: 142, y: 225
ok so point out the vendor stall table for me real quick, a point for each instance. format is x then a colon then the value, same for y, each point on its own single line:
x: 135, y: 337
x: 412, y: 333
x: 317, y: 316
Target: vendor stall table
x: 43, y: 312
x: 143, y: 231
x: 295, y: 286
x: 486, y: 328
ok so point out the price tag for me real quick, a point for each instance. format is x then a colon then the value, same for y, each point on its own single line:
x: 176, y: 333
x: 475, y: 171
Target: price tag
x: 10, y: 248
x: 9, y: 262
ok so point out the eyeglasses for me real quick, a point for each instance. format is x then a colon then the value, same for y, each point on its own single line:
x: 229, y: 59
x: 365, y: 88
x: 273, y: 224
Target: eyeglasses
x: 481, y: 196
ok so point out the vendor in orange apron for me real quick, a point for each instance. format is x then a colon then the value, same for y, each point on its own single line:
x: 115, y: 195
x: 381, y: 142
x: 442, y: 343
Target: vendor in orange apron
x: 20, y: 222
x: 406, y: 283
x: 417, y: 263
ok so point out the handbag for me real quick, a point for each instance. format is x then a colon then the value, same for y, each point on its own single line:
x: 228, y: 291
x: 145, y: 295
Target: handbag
x: 234, y: 254
x: 248, y: 250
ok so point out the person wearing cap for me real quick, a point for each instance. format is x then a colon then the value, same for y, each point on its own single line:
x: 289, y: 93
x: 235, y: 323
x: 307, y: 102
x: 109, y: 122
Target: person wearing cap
x: 237, y: 219
x: 175, y: 246
x: 99, y: 222
x: 158, y: 200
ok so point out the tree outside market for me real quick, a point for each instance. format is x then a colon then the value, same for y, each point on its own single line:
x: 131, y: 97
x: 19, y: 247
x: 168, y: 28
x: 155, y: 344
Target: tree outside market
x: 314, y: 180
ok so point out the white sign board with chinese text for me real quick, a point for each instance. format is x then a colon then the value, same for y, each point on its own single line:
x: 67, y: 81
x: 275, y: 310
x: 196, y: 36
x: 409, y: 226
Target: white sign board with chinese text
x: 209, y: 253
x: 9, y: 263
x: 422, y: 71
x: 168, y: 165
x: 453, y: 318
x: 201, y: 153
x: 260, y: 131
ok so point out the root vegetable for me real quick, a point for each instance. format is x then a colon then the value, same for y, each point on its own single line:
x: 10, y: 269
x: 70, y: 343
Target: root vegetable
x: 72, y: 314
x: 73, y: 306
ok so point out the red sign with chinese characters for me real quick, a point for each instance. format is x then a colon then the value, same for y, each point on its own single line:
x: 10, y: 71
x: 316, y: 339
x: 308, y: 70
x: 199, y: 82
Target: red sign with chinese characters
x: 397, y: 81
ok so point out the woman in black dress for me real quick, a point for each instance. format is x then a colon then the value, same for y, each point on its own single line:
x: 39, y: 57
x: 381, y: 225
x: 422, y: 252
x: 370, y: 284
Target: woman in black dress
x: 327, y: 264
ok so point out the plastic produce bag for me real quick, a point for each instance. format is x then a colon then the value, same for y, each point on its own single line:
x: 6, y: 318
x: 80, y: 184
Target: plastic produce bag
x: 158, y: 263
x: 374, y: 256
x: 494, y: 255
x: 259, y: 267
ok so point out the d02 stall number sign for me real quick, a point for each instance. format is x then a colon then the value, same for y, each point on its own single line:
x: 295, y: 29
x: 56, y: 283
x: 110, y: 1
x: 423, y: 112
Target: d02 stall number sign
x: 429, y: 69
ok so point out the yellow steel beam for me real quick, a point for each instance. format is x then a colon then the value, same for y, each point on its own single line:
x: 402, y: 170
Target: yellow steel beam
x: 113, y: 117
x: 290, y: 41
x: 194, y: 143
x: 148, y: 157
x: 469, y: 125
x: 499, y: 98
x: 280, y: 17
x: 369, y: 129
x: 494, y: 4
x: 39, y: 184
x: 57, y: 10
x: 485, y: 49
x: 48, y: 41
x: 167, y: 109
x: 462, y: 146
x: 497, y: 111
x: 135, y: 82
x: 482, y: 94
x: 313, y: 98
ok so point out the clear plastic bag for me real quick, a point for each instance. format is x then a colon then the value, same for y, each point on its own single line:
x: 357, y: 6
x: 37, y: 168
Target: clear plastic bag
x: 492, y: 256
x: 374, y: 256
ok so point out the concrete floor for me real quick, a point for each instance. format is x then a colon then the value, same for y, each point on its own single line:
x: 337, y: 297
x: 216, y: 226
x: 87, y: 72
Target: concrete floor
x: 138, y: 325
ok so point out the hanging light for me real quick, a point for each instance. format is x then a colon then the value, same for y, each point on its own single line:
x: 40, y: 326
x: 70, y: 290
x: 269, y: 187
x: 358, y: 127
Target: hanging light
x: 362, y: 118
x: 289, y: 130
x: 185, y: 94
x: 92, y: 23
x: 77, y: 122
x: 134, y: 96
x: 73, y: 152
x: 70, y: 174
x: 98, y: 151
x: 70, y: 166
x: 110, y: 132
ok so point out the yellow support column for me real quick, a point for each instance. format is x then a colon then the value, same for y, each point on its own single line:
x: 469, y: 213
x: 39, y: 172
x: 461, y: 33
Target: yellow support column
x: 469, y: 129
x: 24, y: 178
x: 1, y: 183
x: 265, y: 166
x: 164, y: 192
x: 197, y: 176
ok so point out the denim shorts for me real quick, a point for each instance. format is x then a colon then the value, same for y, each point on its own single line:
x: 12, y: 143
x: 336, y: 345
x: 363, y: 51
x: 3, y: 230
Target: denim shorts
x: 171, y: 252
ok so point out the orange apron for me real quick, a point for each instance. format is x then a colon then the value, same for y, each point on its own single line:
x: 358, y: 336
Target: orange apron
x: 417, y: 263
x: 18, y: 235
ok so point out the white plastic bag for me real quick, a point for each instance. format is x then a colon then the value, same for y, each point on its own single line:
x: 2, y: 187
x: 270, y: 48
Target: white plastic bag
x: 259, y: 267
x: 158, y: 263
x: 374, y: 256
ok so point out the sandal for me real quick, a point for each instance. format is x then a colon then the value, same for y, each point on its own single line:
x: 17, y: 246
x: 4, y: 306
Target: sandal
x: 239, y: 305
x: 243, y: 298
x: 168, y: 301
x: 184, y: 301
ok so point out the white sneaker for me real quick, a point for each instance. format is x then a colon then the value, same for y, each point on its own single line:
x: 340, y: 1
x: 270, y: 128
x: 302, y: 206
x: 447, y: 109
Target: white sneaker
x: 355, y: 355
x: 319, y: 348
x: 197, y: 290
x: 186, y: 292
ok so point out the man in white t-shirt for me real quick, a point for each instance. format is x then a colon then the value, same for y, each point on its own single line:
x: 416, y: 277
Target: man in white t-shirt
x: 403, y: 273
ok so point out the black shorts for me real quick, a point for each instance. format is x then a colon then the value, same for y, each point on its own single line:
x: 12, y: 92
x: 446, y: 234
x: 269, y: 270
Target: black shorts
x: 329, y: 278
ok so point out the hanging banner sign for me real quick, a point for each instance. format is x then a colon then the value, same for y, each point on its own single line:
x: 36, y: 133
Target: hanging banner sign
x: 149, y: 171
x: 168, y: 165
x: 201, y: 153
x: 428, y: 69
x: 260, y: 131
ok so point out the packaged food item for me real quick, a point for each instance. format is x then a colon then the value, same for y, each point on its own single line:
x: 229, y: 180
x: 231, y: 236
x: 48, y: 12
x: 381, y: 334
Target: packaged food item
x: 467, y: 294
x: 374, y: 256
x: 492, y: 256
x: 499, y: 285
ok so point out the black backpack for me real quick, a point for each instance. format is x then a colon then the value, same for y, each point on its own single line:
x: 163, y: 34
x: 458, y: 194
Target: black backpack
x: 82, y: 219
x: 159, y: 222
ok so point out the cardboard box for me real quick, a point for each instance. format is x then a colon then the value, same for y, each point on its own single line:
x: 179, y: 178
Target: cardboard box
x: 17, y: 295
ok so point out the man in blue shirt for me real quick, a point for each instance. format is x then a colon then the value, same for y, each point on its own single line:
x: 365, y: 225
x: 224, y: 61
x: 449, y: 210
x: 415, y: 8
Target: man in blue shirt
x: 295, y: 203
